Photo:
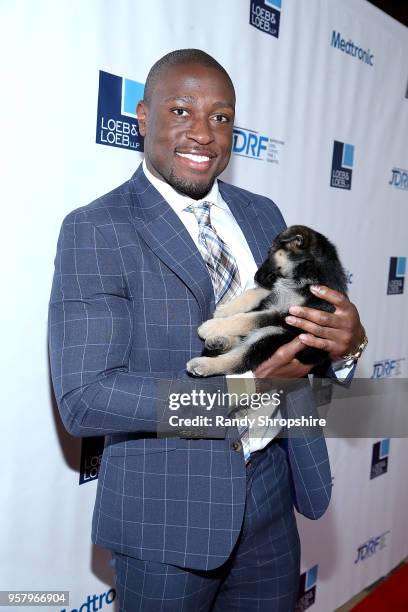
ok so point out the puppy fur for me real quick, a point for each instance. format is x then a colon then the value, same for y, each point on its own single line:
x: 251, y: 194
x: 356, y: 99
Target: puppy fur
x: 250, y: 328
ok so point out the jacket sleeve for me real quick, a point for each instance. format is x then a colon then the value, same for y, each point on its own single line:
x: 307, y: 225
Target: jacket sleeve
x: 90, y: 338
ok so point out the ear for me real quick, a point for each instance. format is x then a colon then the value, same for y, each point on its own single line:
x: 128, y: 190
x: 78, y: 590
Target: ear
x: 142, y: 112
x: 295, y: 240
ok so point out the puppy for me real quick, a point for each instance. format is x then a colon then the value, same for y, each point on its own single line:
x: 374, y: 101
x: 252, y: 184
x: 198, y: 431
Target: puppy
x: 248, y: 329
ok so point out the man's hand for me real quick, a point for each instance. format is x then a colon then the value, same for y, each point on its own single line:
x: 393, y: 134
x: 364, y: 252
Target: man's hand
x: 339, y: 333
x: 283, y: 363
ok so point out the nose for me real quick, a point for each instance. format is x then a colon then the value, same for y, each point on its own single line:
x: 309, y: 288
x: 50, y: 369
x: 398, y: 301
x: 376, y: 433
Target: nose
x: 200, y: 131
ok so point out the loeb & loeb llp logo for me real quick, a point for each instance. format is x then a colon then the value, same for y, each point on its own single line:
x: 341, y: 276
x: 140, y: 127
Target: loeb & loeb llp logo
x: 252, y: 144
x: 91, y: 455
x: 264, y: 15
x: 371, y: 547
x: 307, y: 589
x: 117, y: 125
x: 342, y: 164
x: 379, y: 459
x: 396, y: 275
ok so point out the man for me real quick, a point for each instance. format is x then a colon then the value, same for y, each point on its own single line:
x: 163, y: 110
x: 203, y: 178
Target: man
x: 193, y: 524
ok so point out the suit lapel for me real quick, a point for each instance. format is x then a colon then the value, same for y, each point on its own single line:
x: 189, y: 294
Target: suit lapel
x: 165, y: 234
x: 246, y: 215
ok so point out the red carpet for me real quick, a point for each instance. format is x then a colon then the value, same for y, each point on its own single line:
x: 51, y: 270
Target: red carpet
x: 391, y: 596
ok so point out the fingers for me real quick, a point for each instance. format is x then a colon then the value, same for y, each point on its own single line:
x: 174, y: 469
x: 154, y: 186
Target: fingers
x: 294, y: 369
x: 325, y: 324
x: 283, y: 356
x: 330, y: 295
x: 335, y: 348
x: 321, y: 327
x: 320, y: 343
x: 288, y: 351
x: 320, y: 317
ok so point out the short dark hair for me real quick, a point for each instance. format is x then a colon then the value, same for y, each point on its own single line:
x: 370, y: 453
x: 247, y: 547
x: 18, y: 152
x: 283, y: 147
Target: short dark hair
x: 180, y: 56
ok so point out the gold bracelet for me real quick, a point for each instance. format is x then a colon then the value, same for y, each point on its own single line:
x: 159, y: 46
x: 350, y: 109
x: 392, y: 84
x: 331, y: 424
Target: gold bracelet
x: 360, y: 349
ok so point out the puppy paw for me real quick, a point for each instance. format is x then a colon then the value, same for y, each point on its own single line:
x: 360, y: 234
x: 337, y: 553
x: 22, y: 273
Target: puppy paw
x: 208, y: 328
x: 199, y: 366
x: 224, y: 310
x: 218, y: 343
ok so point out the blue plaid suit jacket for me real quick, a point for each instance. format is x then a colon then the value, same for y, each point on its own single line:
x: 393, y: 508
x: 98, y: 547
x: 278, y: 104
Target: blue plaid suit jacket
x: 129, y: 290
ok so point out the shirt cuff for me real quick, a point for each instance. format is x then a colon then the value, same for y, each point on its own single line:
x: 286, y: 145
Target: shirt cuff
x: 342, y: 368
x: 239, y: 384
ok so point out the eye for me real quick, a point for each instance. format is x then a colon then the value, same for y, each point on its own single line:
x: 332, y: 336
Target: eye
x: 221, y: 118
x: 179, y: 112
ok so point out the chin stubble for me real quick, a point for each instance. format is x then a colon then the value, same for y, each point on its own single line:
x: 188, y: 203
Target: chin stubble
x: 192, y: 190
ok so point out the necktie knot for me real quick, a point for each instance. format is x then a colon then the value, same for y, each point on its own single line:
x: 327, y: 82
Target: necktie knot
x: 201, y: 211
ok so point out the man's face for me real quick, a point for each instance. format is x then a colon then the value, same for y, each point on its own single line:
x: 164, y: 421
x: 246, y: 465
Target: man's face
x: 187, y: 127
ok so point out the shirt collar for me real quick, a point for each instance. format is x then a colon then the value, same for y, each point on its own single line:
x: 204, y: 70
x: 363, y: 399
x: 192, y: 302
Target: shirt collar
x: 179, y: 201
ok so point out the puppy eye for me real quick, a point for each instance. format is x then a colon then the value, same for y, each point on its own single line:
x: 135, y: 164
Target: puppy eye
x: 299, y: 240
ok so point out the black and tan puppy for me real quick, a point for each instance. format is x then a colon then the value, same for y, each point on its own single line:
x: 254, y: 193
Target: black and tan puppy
x: 249, y: 329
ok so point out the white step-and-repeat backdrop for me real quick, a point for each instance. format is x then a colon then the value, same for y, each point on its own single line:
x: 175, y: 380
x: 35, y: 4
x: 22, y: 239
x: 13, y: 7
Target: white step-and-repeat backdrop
x: 321, y: 128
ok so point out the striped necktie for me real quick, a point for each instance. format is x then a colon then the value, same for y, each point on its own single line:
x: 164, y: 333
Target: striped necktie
x: 217, y: 255
x: 224, y: 273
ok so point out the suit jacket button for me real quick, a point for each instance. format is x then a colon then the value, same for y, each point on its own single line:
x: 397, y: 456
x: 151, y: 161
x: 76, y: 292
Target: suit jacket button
x: 236, y: 446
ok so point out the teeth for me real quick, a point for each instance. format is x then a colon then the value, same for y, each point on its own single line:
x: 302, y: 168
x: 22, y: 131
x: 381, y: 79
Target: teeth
x: 195, y: 158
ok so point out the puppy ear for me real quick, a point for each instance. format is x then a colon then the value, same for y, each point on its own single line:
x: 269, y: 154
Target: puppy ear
x: 295, y: 240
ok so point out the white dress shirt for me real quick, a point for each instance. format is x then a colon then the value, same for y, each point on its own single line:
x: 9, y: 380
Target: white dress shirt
x: 222, y: 220
x: 228, y: 229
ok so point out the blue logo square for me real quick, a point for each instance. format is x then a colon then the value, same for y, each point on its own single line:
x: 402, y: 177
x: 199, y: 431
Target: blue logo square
x: 348, y: 155
x: 311, y: 577
x: 131, y: 94
x: 384, y: 448
x: 274, y: 3
x: 401, y: 265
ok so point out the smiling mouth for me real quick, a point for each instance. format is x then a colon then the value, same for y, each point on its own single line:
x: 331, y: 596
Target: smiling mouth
x: 198, y: 159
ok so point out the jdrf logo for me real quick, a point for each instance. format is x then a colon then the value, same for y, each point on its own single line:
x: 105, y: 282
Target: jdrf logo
x: 372, y: 546
x: 379, y: 460
x: 248, y: 143
x: 117, y: 124
x: 342, y: 164
x: 307, y: 589
x: 387, y: 368
x: 91, y: 454
x: 337, y: 42
x: 95, y: 602
x: 399, y: 178
x: 396, y: 275
x: 265, y: 15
